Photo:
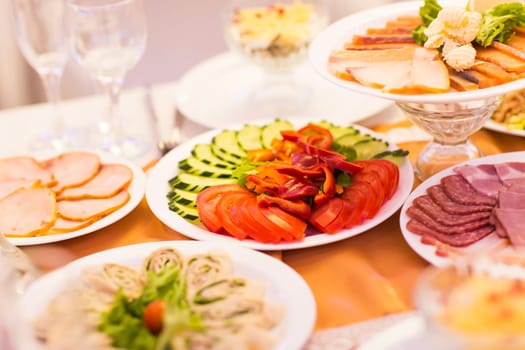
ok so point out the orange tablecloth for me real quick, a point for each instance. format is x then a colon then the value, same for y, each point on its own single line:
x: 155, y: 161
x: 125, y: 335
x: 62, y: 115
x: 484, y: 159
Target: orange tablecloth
x: 363, y: 277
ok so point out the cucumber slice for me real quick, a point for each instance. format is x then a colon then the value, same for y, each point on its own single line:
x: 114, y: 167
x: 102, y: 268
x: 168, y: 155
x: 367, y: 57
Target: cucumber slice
x: 188, y: 213
x: 181, y: 197
x: 273, y: 131
x: 224, y: 156
x: 194, y: 183
x: 249, y: 137
x: 226, y: 140
x: 397, y: 156
x: 194, y: 166
x: 351, y: 138
x: 203, y: 153
x: 366, y: 149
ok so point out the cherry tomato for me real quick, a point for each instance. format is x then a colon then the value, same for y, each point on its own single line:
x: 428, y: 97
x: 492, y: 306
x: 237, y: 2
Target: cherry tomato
x: 207, y: 203
x: 153, y: 316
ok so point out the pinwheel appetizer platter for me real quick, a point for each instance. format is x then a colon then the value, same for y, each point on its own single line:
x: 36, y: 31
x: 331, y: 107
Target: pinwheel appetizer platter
x: 165, y: 295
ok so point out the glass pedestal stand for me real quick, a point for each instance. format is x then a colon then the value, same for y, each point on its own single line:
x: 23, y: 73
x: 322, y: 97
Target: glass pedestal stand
x: 450, y: 125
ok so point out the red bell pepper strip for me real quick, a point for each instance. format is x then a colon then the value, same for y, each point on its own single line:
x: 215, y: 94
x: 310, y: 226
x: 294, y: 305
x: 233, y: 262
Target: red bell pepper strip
x: 297, y: 188
x: 328, y: 188
x: 297, y: 171
x: 317, y: 136
x: 261, y: 184
x: 293, y: 206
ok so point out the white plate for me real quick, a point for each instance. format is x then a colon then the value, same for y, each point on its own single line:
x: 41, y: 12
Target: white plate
x: 157, y: 187
x: 495, y: 126
x: 427, y: 252
x: 334, y: 36
x: 214, y: 93
x: 408, y: 334
x: 283, y: 286
x: 135, y: 189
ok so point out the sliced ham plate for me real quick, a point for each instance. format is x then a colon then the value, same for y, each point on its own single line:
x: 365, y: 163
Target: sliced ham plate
x: 24, y: 168
x: 72, y: 168
x: 511, y: 222
x: 14, y: 219
x: 85, y: 209
x: 110, y: 180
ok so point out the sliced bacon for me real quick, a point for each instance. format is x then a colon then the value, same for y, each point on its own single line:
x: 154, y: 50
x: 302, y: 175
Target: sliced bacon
x: 109, y: 180
x: 84, y: 209
x: 72, y: 169
x: 483, y: 178
x: 24, y: 168
x: 9, y: 186
x: 493, y: 70
x: 512, y: 172
x: 508, y: 62
x: 27, y: 212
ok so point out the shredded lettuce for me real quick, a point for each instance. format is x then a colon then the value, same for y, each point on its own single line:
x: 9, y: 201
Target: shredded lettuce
x: 498, y: 21
x: 246, y: 167
x: 428, y: 12
x: 123, y: 322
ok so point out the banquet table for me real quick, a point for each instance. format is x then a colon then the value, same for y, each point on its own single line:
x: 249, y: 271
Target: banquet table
x: 354, y: 280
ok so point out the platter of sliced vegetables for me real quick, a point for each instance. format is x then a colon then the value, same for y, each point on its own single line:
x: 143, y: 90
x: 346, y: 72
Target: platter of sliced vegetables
x: 280, y: 184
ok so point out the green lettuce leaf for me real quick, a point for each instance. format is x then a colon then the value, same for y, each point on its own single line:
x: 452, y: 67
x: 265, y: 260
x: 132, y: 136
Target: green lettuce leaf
x: 497, y: 23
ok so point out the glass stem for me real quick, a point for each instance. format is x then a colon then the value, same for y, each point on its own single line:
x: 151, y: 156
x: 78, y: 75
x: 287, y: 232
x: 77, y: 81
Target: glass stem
x: 52, y: 88
x: 112, y: 120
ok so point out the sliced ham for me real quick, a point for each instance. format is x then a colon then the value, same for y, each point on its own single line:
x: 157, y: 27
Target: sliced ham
x: 460, y: 191
x: 511, y: 222
x: 517, y: 187
x: 27, y: 212
x: 511, y: 200
x: 9, y: 186
x: 72, y: 169
x: 62, y: 225
x: 109, y: 180
x: 483, y: 178
x: 24, y: 168
x: 84, y: 209
x: 512, y: 172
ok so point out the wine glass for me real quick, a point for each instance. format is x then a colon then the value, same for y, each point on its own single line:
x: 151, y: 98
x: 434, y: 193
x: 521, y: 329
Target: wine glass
x: 275, y: 36
x: 41, y: 35
x: 451, y: 125
x: 108, y: 38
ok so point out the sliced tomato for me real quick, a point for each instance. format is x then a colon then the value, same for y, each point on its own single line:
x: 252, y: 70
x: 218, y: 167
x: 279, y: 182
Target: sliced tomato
x: 394, y: 172
x: 387, y: 171
x: 289, y: 223
x: 322, y: 216
x: 377, y: 187
x: 370, y: 204
x: 207, y: 203
x: 264, y: 230
x: 358, y: 199
x: 228, y: 213
x: 341, y: 220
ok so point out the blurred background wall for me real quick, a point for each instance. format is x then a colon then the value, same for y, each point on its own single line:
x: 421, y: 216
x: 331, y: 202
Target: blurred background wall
x: 181, y: 34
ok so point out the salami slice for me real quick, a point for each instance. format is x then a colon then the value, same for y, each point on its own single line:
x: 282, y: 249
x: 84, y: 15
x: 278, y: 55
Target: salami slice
x: 420, y: 216
x: 458, y: 240
x: 432, y: 209
x: 439, y: 196
x: 460, y: 191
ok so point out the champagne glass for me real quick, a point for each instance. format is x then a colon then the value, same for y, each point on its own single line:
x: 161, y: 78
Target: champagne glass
x: 275, y: 36
x: 108, y: 38
x: 41, y: 35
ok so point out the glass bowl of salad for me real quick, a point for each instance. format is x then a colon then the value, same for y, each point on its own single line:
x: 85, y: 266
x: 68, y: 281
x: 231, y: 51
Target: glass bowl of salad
x: 275, y: 36
x: 477, y: 303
